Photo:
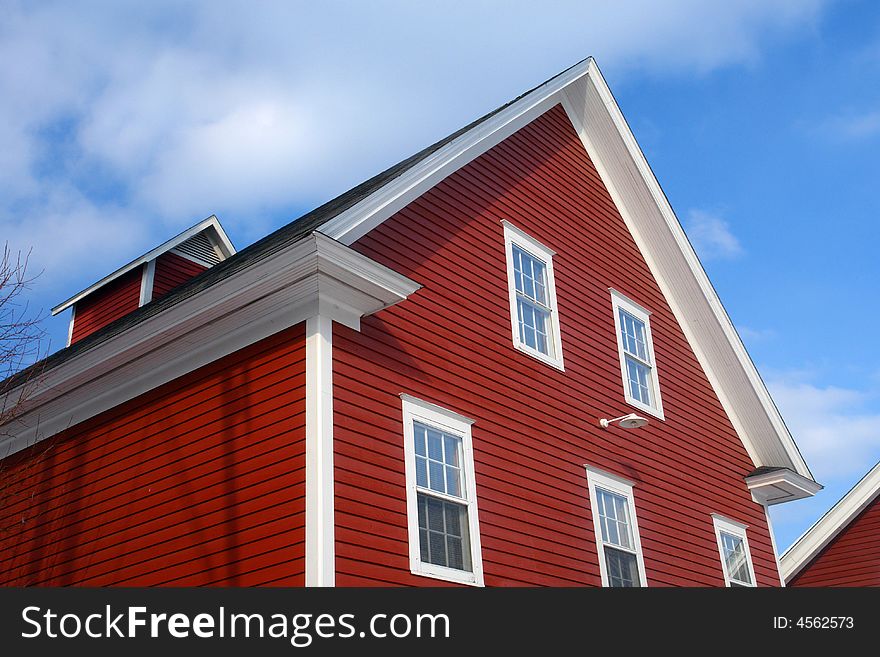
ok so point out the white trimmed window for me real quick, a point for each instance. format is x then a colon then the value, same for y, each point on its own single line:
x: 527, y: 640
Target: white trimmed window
x: 733, y: 546
x: 441, y: 495
x: 617, y: 532
x: 636, y: 348
x: 532, y: 290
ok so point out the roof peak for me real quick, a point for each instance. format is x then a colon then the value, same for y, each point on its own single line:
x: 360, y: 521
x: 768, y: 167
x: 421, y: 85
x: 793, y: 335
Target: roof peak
x: 210, y: 224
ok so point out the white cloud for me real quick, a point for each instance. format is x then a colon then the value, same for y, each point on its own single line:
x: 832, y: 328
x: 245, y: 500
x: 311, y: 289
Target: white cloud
x: 749, y: 334
x: 72, y: 239
x: 837, y: 429
x: 711, y: 236
x: 854, y: 126
x: 123, y: 122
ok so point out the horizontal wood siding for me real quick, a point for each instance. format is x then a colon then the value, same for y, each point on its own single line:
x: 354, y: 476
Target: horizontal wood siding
x: 107, y: 304
x: 198, y: 482
x: 852, y: 558
x: 173, y: 270
x: 536, y: 427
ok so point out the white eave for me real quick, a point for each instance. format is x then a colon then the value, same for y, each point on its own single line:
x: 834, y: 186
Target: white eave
x: 216, y: 234
x: 314, y: 276
x: 780, y: 485
x: 585, y: 96
x: 583, y: 93
x: 829, y: 526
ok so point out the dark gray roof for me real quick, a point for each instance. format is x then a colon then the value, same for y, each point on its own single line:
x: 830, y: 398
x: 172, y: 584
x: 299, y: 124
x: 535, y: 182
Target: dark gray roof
x: 265, y: 247
x: 765, y: 469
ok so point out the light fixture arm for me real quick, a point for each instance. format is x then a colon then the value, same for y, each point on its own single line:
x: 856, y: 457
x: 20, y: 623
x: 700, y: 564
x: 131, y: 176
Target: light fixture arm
x: 628, y: 421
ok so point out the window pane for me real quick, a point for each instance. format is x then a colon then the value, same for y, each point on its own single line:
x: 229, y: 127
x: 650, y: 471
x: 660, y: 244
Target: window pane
x: 638, y: 375
x: 614, y: 518
x: 435, y: 520
x: 533, y: 326
x: 419, y: 431
x: 440, y: 470
x: 421, y: 472
x: 435, y: 470
x: 620, y: 512
x: 623, y: 570
x: 530, y: 276
x: 423, y: 546
x: 435, y: 445
x: 453, y: 481
x: 454, y: 551
x: 443, y: 535
x: 735, y: 558
x: 450, y: 450
x: 633, y: 334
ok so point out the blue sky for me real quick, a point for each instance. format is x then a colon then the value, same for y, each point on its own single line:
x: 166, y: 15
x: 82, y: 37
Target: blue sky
x: 123, y: 123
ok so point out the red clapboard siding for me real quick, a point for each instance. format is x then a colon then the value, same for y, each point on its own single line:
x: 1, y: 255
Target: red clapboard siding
x: 852, y: 558
x: 200, y: 481
x: 536, y: 427
x: 107, y: 304
x: 173, y: 270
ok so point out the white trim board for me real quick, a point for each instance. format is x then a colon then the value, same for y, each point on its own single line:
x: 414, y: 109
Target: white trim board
x: 620, y: 302
x: 314, y: 276
x: 514, y: 236
x: 320, y: 522
x: 829, y: 526
x: 417, y: 410
x: 218, y: 237
x: 737, y: 530
x: 618, y: 485
x: 147, y: 278
x: 585, y: 96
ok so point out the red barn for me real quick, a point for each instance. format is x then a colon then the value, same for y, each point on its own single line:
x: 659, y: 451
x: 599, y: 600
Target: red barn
x: 843, y: 547
x: 497, y: 363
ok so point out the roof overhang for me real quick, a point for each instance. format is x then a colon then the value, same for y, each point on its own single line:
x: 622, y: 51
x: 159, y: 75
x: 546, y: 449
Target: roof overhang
x: 780, y: 485
x: 314, y: 276
x: 590, y: 106
x: 211, y: 226
x: 827, y: 528
x: 583, y: 93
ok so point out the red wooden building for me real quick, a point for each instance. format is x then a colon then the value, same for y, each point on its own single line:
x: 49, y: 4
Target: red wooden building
x: 843, y: 547
x: 412, y: 385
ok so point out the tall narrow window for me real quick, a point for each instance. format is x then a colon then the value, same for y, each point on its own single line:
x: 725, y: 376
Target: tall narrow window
x: 636, y: 349
x: 733, y: 546
x: 532, y: 291
x: 617, y: 533
x: 444, y: 534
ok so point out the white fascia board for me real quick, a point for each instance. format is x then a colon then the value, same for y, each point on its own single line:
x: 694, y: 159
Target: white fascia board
x: 584, y: 94
x: 211, y: 223
x: 780, y: 486
x: 826, y: 529
x: 313, y: 276
x: 677, y: 270
x: 362, y: 217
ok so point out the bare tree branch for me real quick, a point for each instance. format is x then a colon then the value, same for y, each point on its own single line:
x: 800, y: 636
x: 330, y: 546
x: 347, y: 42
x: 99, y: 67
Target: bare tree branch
x: 22, y: 337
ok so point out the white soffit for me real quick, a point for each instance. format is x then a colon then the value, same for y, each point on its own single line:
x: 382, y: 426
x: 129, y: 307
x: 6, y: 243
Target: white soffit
x: 583, y: 93
x: 314, y: 276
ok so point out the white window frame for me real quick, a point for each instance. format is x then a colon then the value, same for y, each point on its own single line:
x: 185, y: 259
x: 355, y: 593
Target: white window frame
x: 737, y: 530
x: 620, y: 301
x: 417, y: 410
x: 513, y: 235
x: 623, y: 487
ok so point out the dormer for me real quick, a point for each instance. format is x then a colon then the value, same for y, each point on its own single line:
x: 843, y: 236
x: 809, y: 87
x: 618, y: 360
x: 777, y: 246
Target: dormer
x: 148, y: 277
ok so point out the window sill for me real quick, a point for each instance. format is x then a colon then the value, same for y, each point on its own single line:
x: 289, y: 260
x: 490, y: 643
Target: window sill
x: 537, y: 355
x: 447, y: 574
x: 650, y: 410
